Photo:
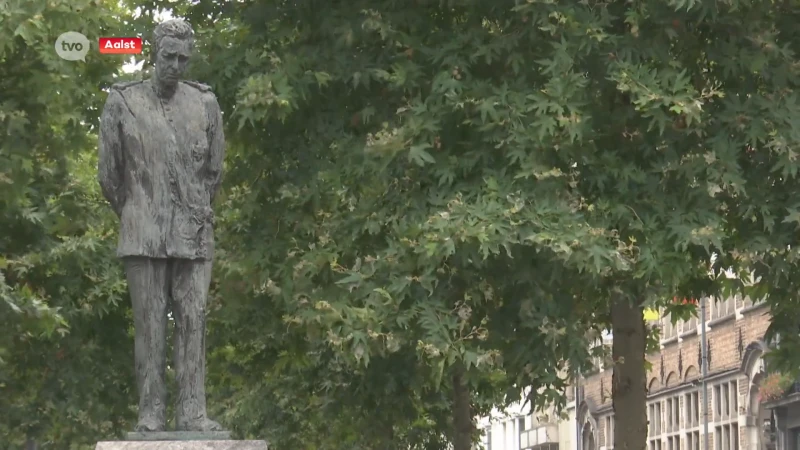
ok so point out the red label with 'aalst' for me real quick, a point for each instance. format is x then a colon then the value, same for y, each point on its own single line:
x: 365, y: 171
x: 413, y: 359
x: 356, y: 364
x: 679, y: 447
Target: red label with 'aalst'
x: 120, y: 45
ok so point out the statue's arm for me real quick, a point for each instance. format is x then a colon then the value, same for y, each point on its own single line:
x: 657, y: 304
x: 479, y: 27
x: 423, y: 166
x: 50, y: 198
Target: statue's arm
x: 110, y: 166
x: 217, y: 146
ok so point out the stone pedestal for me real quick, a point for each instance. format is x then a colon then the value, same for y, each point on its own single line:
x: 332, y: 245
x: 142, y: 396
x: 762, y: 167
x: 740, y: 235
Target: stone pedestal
x: 182, y: 445
x: 178, y: 436
x: 181, y: 440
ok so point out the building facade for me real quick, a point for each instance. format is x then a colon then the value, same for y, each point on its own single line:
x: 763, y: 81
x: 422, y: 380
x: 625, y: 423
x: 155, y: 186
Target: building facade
x: 513, y: 429
x: 737, y: 420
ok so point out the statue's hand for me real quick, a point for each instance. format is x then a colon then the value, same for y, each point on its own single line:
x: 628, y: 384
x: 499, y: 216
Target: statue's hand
x: 204, y: 215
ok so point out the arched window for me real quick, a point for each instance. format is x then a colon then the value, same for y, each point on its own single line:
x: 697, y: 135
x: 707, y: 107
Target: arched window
x: 762, y: 435
x: 587, y: 438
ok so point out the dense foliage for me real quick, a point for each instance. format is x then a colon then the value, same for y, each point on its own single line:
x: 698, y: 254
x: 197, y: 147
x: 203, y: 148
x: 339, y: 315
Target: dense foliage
x: 65, y: 345
x: 428, y: 206
x: 458, y: 268
x: 551, y: 159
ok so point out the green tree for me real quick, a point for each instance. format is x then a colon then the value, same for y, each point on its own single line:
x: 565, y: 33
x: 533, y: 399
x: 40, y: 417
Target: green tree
x: 385, y: 197
x: 751, y: 152
x: 470, y: 176
x: 65, y: 356
x: 427, y: 208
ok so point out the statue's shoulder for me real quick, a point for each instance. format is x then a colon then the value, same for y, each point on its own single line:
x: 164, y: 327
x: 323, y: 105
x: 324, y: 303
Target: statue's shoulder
x: 197, y: 85
x: 204, y: 93
x: 125, y: 85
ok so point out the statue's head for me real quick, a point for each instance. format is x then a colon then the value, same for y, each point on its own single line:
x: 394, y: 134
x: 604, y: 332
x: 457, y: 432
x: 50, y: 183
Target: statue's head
x: 173, y: 42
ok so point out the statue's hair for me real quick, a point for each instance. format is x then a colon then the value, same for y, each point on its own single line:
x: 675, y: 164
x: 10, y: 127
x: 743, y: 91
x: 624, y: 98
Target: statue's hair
x: 176, y: 28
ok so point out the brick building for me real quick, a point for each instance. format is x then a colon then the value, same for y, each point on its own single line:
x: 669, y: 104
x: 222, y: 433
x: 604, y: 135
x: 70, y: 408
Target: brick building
x: 735, y: 330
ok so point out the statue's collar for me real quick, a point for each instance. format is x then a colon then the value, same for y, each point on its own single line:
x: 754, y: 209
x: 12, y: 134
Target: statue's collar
x: 163, y: 93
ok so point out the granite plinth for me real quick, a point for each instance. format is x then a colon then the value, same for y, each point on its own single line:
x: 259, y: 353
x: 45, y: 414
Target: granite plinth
x: 179, y: 436
x: 182, y: 445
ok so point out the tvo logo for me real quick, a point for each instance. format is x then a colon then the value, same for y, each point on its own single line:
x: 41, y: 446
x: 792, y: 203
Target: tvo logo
x: 72, y: 46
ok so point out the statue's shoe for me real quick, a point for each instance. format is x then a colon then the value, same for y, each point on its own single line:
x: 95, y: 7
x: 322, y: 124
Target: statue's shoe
x: 149, y: 424
x: 201, y: 424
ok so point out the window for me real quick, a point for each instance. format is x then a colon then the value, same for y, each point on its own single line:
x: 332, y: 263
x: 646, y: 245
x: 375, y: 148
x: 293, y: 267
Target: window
x: 654, y: 426
x: 691, y: 420
x: 726, y: 415
x: 748, y: 302
x: 674, y: 443
x: 676, y: 409
x: 690, y: 326
x: 693, y: 440
x: 668, y: 414
x: 726, y: 437
x: 609, y: 432
x: 668, y: 329
x: 673, y: 411
x: 672, y: 424
x: 532, y: 434
x: 588, y: 438
x: 726, y: 401
x: 721, y: 308
x: 691, y: 403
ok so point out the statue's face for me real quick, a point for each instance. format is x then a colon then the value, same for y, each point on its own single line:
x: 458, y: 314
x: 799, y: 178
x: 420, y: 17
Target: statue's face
x: 171, y: 60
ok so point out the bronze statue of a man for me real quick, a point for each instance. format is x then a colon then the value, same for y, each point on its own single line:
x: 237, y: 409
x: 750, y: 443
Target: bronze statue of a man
x: 160, y: 166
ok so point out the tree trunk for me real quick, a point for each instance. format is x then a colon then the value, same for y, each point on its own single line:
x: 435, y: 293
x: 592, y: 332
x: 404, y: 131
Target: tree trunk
x: 629, y: 382
x: 462, y: 412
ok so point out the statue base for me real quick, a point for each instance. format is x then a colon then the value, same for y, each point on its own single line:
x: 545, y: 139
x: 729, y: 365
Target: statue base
x: 178, y: 436
x: 181, y: 440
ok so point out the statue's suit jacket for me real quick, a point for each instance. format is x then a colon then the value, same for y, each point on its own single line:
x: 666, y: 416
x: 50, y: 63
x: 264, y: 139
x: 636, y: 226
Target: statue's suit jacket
x: 160, y: 166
